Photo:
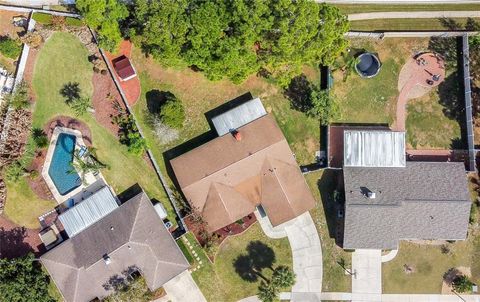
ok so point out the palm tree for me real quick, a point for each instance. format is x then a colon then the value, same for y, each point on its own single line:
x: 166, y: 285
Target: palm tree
x: 267, y: 292
x: 350, y: 63
x: 283, y: 277
x: 86, y: 164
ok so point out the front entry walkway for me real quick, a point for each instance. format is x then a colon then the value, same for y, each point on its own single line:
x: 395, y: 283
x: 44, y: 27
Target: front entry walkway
x: 306, y: 251
x: 183, y: 288
x: 367, y: 275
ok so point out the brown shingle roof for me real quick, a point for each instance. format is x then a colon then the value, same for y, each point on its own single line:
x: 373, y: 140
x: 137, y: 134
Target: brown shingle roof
x: 123, y: 67
x: 133, y: 235
x: 225, y: 179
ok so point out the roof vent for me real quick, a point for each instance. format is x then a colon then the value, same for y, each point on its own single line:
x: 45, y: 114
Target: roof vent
x: 107, y: 259
x: 237, y: 135
x: 371, y: 195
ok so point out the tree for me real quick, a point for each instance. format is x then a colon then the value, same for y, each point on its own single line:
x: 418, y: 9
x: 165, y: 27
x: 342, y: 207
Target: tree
x: 86, y: 164
x: 10, y: 48
x: 462, y: 284
x: 283, y: 277
x: 324, y: 107
x: 14, y: 171
x: 267, y: 292
x: 104, y: 17
x: 80, y: 105
x: 22, y: 280
x: 129, y: 134
x: 172, y: 113
x: 350, y: 64
x: 19, y: 98
x: 39, y: 137
x: 235, y: 39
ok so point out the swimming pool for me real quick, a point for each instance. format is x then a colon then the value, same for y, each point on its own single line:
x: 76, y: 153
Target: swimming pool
x: 60, y: 166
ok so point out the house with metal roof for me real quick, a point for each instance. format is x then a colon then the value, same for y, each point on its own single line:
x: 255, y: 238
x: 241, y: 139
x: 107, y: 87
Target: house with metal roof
x: 388, y: 199
x: 129, y: 238
x: 249, y: 165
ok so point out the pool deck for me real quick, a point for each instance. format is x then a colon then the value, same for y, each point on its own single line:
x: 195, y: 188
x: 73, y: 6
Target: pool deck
x: 89, y: 177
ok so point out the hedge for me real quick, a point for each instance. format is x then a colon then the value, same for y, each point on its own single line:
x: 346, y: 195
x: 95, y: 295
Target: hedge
x: 46, y: 19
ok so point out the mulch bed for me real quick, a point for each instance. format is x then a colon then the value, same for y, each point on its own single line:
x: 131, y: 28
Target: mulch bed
x: 18, y: 241
x: 38, y: 184
x: 221, y: 234
x: 72, y: 123
x: 131, y: 88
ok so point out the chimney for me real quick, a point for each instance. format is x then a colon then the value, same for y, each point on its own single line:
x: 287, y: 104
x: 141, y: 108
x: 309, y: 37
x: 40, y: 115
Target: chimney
x: 237, y: 135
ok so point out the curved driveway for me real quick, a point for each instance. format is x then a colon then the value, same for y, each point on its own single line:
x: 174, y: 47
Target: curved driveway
x: 306, y: 252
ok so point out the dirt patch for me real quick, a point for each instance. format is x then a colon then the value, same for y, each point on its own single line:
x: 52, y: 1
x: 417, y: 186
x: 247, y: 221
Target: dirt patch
x: 72, y: 123
x: 6, y: 26
x: 17, y: 241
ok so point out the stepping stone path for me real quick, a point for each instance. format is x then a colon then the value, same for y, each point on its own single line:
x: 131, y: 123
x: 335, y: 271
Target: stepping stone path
x: 194, y: 253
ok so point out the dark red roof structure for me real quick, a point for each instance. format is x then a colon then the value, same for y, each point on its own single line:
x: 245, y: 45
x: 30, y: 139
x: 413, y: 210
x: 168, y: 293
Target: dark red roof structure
x: 124, y: 68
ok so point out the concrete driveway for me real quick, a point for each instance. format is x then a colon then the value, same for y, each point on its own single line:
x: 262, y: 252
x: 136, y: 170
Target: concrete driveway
x: 367, y: 278
x: 306, y: 251
x: 183, y: 288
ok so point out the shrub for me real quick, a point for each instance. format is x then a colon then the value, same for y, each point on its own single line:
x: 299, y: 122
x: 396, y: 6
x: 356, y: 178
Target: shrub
x: 42, y: 18
x: 32, y: 39
x: 14, y: 171
x: 324, y: 107
x: 19, y: 99
x: 80, y: 105
x: 69, y: 21
x: 40, y: 138
x: 172, y: 113
x: 129, y: 134
x: 462, y: 284
x: 10, y: 48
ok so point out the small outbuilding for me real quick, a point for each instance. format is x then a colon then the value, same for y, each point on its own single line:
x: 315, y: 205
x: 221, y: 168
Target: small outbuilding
x: 124, y: 68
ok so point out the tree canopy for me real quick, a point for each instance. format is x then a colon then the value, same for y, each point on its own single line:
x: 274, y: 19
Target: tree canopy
x: 236, y: 38
x: 104, y: 16
x: 22, y: 279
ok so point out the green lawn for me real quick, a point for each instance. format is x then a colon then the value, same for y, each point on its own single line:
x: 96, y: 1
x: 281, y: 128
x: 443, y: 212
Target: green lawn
x: 374, y: 100
x: 427, y: 125
x: 322, y: 184
x: 365, y: 8
x: 405, y: 24
x: 61, y: 60
x: 200, y: 95
x: 23, y: 206
x: 220, y: 282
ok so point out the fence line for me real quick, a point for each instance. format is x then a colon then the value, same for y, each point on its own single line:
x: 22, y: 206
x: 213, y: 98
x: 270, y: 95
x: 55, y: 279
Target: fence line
x: 468, y: 102
x: 407, y: 34
x: 22, y: 9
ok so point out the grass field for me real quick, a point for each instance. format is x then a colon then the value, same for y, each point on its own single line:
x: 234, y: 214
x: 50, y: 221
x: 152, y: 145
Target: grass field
x: 374, y: 100
x: 366, y: 8
x: 62, y: 54
x: 427, y: 125
x: 220, y: 281
x: 200, y: 95
x: 408, y: 24
x: 322, y: 185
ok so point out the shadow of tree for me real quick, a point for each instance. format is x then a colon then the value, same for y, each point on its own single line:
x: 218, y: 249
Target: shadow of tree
x: 117, y: 282
x: 12, y: 242
x: 327, y: 185
x: 447, y: 47
x: 450, y: 24
x: 70, y: 91
x: 156, y: 98
x: 259, y: 256
x: 298, y: 92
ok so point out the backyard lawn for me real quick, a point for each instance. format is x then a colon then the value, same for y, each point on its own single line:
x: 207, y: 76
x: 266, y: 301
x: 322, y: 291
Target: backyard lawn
x: 322, y: 184
x: 200, y: 95
x: 221, y: 282
x: 59, y: 57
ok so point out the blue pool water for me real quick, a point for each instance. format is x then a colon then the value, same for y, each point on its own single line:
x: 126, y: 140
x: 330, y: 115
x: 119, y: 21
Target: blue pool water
x: 60, y: 166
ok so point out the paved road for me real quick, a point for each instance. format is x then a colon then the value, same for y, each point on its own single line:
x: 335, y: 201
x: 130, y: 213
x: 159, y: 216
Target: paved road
x: 306, y: 251
x: 414, y: 15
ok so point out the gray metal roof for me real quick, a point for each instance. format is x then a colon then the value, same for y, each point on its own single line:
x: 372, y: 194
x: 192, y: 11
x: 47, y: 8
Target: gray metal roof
x: 424, y: 200
x: 374, y: 148
x: 238, y: 116
x: 89, y: 211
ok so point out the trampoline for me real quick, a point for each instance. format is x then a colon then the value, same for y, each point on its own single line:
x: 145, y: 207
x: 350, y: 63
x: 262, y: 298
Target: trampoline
x: 368, y: 65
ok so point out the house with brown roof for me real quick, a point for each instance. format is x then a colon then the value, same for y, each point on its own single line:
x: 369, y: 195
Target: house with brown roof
x: 130, y: 238
x: 250, y: 166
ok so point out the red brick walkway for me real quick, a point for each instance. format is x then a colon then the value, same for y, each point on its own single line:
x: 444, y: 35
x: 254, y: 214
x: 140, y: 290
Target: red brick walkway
x: 131, y: 88
x: 418, y: 74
